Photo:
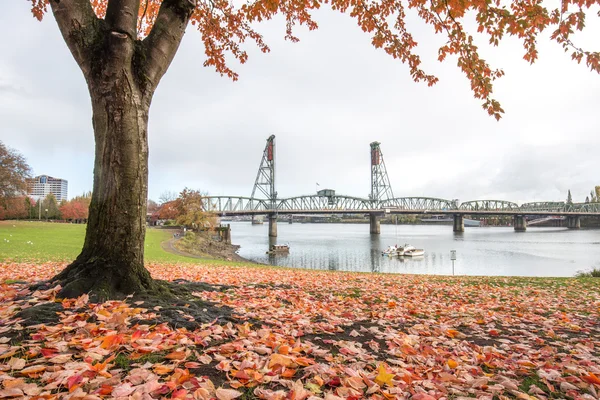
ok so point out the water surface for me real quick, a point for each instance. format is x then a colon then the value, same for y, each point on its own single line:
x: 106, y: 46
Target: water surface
x: 480, y: 250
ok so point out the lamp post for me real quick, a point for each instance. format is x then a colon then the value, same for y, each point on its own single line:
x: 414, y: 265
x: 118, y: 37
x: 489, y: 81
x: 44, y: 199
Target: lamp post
x: 453, y: 258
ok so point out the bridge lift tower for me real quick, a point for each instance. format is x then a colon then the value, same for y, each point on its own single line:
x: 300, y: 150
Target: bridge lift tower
x: 381, y: 189
x: 265, y: 182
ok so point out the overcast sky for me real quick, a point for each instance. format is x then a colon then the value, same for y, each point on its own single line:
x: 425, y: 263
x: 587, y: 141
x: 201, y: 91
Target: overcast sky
x: 325, y: 98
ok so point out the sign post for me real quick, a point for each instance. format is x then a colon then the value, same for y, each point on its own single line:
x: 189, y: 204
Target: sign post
x: 453, y: 258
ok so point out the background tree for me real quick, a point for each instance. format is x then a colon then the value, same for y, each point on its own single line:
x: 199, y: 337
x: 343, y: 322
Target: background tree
x: 51, y: 205
x: 597, y: 190
x: 152, y: 206
x: 77, y: 208
x: 167, y: 196
x: 16, y: 207
x: 124, y: 47
x: 569, y: 198
x: 14, y: 172
x: 168, y: 210
x: 191, y: 212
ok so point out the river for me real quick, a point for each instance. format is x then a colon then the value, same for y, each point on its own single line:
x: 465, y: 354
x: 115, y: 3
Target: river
x: 480, y: 250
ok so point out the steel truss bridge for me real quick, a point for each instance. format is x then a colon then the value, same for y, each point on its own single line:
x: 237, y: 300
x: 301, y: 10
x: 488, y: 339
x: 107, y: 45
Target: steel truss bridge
x: 340, y: 204
x: 381, y: 201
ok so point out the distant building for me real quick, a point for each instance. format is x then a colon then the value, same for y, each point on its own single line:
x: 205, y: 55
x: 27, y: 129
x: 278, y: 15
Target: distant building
x: 41, y: 186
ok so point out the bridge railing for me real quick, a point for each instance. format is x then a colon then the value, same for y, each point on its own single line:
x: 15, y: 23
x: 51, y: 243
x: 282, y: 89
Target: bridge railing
x: 313, y: 202
x: 488, y: 205
x: 418, y: 203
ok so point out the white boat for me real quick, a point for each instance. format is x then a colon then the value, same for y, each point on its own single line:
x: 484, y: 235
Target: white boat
x: 414, y: 253
x: 404, y: 249
x: 390, y: 251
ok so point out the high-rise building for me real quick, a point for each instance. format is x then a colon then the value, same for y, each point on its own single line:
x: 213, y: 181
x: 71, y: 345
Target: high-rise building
x: 41, y: 186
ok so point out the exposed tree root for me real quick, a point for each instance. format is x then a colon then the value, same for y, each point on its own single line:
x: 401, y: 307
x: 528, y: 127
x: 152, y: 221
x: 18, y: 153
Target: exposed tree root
x: 103, y: 280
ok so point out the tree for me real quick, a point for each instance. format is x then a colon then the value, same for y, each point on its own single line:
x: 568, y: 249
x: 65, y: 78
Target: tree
x: 587, y: 199
x: 77, y: 208
x: 191, y: 211
x: 152, y: 206
x: 167, y: 196
x: 14, y: 172
x: 597, y: 190
x: 50, y: 207
x: 569, y: 198
x: 167, y: 210
x: 124, y: 47
x: 15, y: 208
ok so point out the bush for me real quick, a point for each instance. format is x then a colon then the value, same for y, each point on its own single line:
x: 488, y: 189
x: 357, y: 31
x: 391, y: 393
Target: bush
x: 594, y: 273
x: 190, y: 236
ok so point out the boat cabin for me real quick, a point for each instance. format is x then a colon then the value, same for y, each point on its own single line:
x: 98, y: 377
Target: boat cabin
x: 279, y: 248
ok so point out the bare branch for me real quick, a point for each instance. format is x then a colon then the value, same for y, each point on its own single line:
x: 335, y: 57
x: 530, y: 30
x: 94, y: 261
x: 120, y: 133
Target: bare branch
x: 163, y: 41
x: 79, y: 27
x: 122, y: 16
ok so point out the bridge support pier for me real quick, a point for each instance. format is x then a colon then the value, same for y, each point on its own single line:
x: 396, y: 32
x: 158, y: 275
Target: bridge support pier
x: 272, y: 225
x: 291, y: 221
x: 520, y: 223
x: 573, y: 222
x: 375, y: 224
x: 459, y: 223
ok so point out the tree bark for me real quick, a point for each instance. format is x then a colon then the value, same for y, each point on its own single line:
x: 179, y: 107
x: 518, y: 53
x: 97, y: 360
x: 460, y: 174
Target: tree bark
x: 122, y: 74
x: 112, y: 260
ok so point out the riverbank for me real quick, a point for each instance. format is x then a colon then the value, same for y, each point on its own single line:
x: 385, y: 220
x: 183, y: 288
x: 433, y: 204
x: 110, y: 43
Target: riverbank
x: 201, y: 246
x: 272, y: 333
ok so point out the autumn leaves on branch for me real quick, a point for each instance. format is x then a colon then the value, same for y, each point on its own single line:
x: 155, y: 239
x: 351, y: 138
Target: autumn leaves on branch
x: 224, y: 27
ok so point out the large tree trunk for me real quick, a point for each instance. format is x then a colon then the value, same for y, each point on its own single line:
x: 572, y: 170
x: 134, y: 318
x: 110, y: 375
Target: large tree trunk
x: 112, y: 260
x: 122, y: 73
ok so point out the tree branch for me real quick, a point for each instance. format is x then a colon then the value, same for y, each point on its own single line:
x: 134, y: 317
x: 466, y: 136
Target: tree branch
x: 122, y: 16
x: 79, y: 27
x: 163, y: 41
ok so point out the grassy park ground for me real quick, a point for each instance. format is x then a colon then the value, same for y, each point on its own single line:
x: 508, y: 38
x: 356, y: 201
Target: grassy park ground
x: 275, y: 333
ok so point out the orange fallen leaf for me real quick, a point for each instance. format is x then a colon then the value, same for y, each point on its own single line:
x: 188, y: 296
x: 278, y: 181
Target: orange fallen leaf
x: 279, y: 359
x: 452, y: 333
x: 111, y: 340
x: 33, y: 370
x: 452, y: 364
x: 176, y: 355
x: 13, y: 383
x: 305, y: 362
x: 288, y: 373
x: 591, y: 378
x: 162, y: 369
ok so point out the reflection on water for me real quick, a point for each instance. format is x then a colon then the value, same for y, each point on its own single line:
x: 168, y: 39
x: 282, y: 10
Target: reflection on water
x: 480, y: 251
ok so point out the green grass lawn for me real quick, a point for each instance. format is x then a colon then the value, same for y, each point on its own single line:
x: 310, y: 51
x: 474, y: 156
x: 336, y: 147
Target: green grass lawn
x: 63, y: 242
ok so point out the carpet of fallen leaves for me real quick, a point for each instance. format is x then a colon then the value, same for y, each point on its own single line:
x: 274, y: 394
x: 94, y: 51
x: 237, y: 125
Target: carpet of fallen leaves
x: 309, y: 335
